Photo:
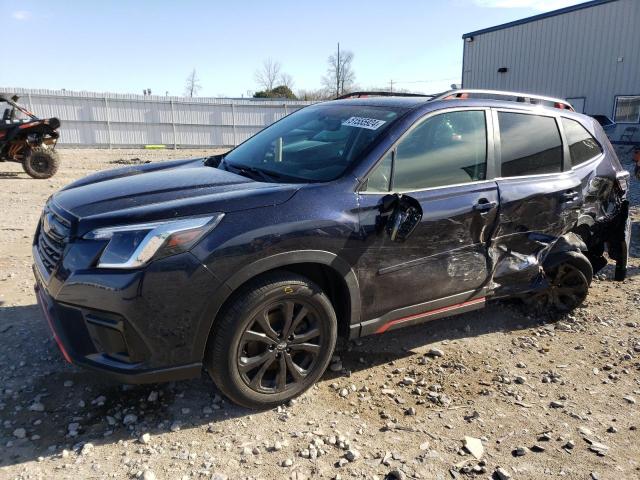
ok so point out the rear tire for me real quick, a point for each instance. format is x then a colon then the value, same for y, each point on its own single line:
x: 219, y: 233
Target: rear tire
x: 272, y: 341
x: 41, y: 163
x: 569, y: 275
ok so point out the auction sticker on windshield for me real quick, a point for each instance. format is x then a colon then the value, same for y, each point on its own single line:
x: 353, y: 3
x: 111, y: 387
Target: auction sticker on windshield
x: 363, y: 122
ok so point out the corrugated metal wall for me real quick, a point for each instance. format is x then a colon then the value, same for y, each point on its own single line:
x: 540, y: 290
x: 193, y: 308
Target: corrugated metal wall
x: 593, y: 53
x: 118, y: 120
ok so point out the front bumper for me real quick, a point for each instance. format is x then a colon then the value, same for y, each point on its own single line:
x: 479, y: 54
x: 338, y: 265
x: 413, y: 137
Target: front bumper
x: 116, y: 370
x: 140, y: 326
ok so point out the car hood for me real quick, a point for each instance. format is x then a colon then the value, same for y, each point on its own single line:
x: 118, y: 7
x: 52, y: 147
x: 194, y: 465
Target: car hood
x: 164, y: 190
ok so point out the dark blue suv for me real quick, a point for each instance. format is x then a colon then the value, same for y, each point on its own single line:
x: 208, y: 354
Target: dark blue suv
x: 351, y: 217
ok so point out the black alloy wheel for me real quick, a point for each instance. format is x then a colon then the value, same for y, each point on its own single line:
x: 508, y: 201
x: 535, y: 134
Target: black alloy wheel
x: 272, y: 341
x: 280, y: 346
x: 569, y: 278
x: 569, y: 287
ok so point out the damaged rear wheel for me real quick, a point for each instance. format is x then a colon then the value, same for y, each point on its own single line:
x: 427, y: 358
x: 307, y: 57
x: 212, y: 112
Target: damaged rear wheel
x: 569, y: 276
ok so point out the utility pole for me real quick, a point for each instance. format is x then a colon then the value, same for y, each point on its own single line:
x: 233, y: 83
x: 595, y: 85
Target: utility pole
x: 338, y: 72
x: 391, y: 85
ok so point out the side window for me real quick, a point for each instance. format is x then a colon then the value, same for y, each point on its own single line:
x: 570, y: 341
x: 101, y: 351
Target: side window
x: 582, y: 145
x: 379, y: 179
x: 445, y: 149
x: 529, y: 144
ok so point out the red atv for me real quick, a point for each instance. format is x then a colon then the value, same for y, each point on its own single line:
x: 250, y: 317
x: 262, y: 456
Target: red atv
x: 28, y: 139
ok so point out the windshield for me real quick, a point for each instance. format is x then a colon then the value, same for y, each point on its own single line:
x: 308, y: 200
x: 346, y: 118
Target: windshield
x: 315, y: 144
x: 11, y: 114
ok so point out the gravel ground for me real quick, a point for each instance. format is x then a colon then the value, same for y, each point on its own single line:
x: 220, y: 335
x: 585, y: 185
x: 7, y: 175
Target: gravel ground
x: 499, y: 393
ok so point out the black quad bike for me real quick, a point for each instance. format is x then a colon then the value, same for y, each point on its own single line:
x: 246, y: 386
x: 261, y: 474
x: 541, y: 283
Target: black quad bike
x: 28, y: 139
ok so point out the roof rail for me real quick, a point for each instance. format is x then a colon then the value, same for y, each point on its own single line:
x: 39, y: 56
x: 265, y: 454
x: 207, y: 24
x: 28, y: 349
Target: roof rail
x: 381, y: 94
x: 508, y: 96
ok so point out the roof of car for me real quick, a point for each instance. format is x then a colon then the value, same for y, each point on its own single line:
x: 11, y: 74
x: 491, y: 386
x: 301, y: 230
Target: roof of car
x: 411, y: 103
x: 406, y: 102
x: 474, y: 97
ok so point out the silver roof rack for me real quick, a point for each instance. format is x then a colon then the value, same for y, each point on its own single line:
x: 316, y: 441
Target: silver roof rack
x: 381, y: 94
x: 508, y: 96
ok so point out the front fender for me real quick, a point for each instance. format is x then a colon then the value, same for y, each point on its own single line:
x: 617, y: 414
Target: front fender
x: 281, y: 260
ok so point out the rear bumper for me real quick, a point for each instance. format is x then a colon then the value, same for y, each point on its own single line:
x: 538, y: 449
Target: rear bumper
x: 123, y: 372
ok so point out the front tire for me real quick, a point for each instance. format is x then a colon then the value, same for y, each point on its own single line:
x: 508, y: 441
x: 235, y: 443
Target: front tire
x: 41, y: 163
x: 273, y: 341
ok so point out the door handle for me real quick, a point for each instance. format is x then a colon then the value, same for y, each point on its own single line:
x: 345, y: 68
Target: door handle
x: 484, y: 205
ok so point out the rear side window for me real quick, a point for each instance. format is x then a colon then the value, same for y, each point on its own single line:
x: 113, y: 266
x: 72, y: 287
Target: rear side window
x: 529, y: 144
x: 582, y: 146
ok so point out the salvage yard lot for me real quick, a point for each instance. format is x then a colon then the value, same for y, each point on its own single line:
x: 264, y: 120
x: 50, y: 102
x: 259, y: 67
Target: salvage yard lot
x: 548, y: 398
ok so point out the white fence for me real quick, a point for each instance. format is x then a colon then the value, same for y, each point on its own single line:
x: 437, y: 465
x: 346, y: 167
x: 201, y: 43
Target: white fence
x: 118, y: 120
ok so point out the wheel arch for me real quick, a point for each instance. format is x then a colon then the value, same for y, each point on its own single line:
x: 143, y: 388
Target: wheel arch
x: 320, y: 266
x: 576, y: 258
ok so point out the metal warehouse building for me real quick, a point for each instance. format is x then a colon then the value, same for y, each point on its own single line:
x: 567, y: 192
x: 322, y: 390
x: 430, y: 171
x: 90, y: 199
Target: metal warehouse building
x: 588, y: 54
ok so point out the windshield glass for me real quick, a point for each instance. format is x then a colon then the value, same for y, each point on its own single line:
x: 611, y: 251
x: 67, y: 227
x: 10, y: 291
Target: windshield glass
x: 315, y: 144
x: 11, y: 114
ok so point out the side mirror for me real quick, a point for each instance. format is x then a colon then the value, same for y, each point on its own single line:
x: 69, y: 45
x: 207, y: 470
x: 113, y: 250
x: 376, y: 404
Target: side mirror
x: 214, y: 160
x: 402, y: 213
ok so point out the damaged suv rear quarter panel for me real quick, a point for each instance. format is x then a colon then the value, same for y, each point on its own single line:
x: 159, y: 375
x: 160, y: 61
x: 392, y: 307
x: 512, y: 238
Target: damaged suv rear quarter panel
x: 533, y: 224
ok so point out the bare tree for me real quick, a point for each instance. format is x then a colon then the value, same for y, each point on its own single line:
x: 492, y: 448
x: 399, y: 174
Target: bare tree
x: 340, y: 75
x: 192, y: 86
x: 286, y: 80
x: 267, y: 75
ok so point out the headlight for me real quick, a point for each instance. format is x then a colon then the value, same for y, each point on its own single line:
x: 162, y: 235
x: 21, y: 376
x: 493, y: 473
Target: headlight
x: 131, y: 246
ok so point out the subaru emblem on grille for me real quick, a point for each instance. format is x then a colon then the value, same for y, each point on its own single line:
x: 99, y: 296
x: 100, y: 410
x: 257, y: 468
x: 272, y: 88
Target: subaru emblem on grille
x: 49, y: 226
x: 46, y: 225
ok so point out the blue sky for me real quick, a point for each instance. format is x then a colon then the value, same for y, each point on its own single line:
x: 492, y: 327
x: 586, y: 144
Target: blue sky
x: 127, y: 46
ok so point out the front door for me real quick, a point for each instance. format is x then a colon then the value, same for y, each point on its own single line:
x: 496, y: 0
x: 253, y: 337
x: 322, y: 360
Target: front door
x: 441, y: 163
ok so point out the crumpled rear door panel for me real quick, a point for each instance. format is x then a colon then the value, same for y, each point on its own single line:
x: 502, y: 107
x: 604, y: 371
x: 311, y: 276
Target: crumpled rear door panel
x: 534, y: 212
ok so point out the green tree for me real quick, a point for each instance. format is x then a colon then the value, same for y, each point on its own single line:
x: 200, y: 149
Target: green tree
x: 281, y: 91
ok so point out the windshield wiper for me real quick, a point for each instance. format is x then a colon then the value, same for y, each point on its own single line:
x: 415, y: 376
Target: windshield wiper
x: 268, y: 176
x: 253, y: 172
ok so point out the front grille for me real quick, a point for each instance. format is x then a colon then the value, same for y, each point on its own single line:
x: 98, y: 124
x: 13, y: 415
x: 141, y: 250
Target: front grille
x: 53, y: 235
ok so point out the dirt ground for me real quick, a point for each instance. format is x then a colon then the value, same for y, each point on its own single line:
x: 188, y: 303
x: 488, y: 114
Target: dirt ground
x: 540, y: 398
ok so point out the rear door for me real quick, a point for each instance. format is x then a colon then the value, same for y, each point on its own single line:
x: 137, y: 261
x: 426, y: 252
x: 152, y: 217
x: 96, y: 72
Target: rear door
x: 540, y: 196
